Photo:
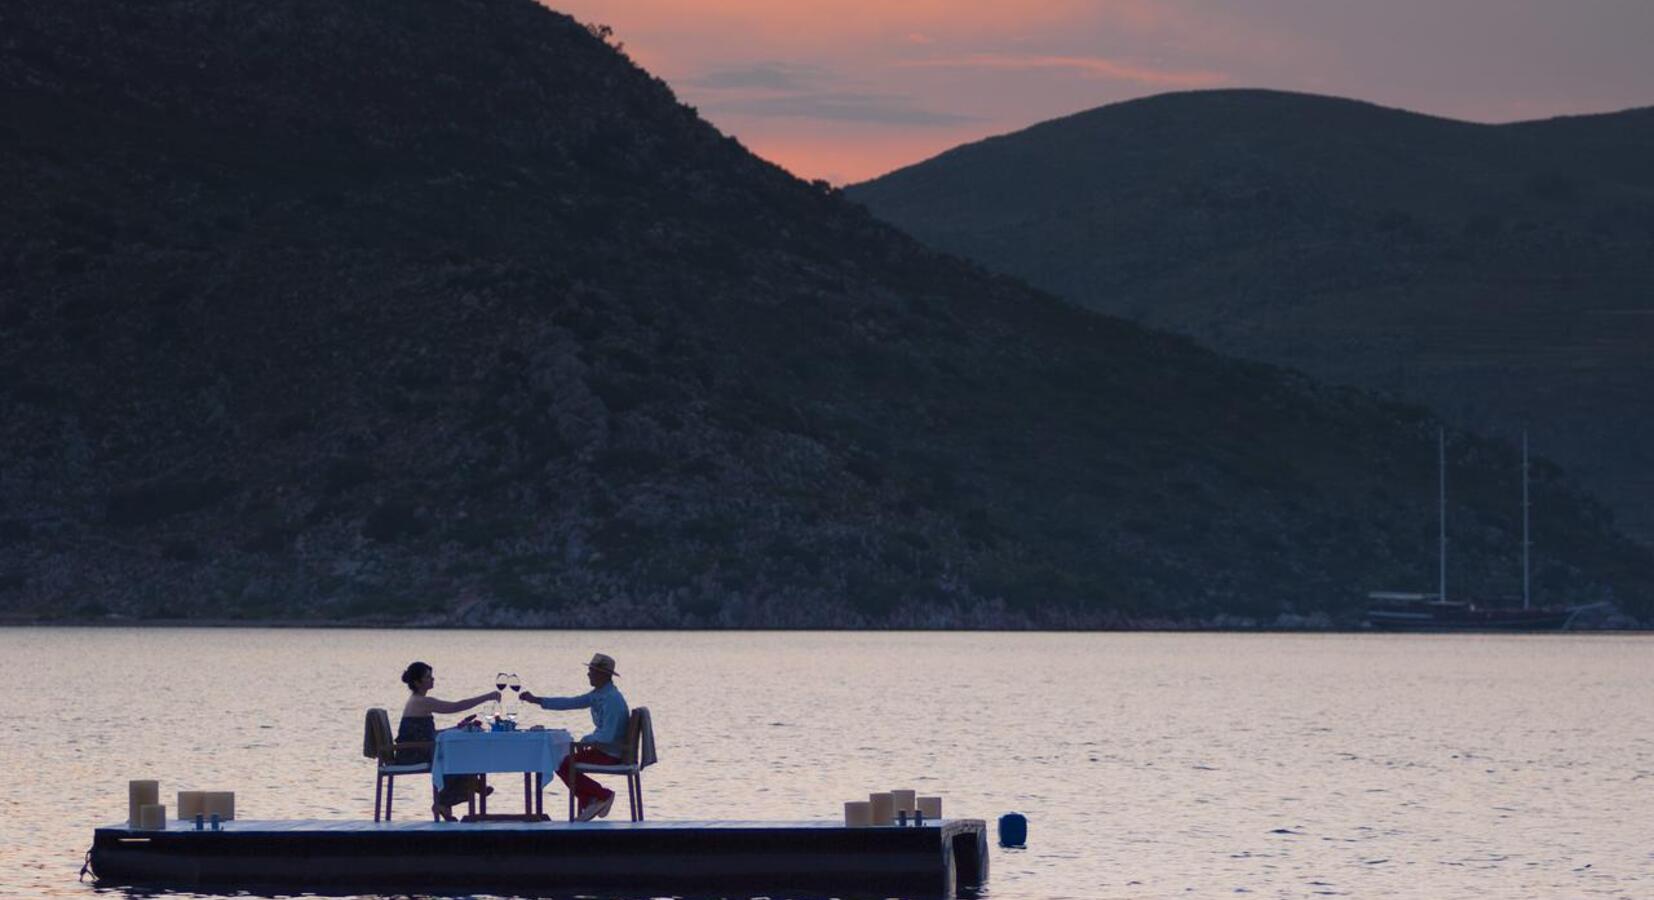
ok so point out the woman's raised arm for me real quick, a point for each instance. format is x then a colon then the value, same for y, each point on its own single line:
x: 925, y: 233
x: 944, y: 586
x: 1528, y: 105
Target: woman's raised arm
x: 433, y: 705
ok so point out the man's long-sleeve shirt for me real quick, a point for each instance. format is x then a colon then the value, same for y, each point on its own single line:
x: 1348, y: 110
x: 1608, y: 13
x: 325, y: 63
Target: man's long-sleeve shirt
x: 609, y: 716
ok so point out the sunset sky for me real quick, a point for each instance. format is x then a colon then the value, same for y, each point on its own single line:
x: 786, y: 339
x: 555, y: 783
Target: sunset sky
x: 849, y: 89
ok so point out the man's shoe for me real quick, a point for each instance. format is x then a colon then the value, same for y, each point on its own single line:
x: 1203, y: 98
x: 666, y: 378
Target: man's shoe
x: 592, y: 810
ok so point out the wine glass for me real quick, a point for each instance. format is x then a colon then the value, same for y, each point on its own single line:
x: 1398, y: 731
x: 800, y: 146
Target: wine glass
x: 499, y: 685
x: 516, y: 685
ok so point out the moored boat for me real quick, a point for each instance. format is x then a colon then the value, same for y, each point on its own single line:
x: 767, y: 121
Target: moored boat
x: 1427, y: 612
x: 1399, y: 611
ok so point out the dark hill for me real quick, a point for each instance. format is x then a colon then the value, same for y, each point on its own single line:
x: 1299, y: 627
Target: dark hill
x: 441, y: 310
x: 1500, y: 274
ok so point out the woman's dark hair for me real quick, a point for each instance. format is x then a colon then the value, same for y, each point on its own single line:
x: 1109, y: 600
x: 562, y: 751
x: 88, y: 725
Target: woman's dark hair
x: 415, y: 673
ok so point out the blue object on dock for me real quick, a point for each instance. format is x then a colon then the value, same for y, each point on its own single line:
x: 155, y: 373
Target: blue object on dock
x: 1013, y: 830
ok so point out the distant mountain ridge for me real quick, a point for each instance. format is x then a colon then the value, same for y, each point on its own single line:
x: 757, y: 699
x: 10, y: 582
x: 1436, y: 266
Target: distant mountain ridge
x: 1499, y: 273
x: 443, y: 312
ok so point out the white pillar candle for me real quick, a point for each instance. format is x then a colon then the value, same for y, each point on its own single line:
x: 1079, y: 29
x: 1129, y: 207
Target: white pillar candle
x: 858, y: 814
x: 152, y: 817
x: 904, y: 801
x: 931, y: 807
x: 138, y: 795
x: 221, y: 802
x: 190, y: 803
x: 884, y: 808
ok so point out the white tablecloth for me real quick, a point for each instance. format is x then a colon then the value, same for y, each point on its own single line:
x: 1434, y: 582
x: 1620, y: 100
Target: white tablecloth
x: 470, y: 752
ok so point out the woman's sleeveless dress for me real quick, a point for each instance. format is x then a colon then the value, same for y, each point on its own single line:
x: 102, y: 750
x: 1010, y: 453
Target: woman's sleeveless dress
x: 455, y: 788
x: 415, y: 728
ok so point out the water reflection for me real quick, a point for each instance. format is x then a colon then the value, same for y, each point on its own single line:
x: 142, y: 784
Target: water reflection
x: 1147, y: 764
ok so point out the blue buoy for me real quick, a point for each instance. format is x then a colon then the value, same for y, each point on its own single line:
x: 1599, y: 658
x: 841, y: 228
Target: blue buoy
x: 1013, y: 830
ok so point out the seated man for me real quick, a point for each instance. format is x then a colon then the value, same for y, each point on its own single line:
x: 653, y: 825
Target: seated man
x: 606, y: 743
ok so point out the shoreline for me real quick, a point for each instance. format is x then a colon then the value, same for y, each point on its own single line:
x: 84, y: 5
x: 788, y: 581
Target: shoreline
x: 7, y: 623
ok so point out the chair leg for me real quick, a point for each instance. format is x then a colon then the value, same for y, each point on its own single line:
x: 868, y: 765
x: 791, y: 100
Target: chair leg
x: 434, y: 816
x: 378, y: 794
x: 637, y: 778
x: 390, y: 794
x: 572, y: 778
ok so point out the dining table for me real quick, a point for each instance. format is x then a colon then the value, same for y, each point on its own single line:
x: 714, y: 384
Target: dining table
x: 537, y: 753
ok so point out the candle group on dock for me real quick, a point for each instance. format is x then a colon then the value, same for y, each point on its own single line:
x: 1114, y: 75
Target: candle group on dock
x: 146, y: 811
x: 891, y: 808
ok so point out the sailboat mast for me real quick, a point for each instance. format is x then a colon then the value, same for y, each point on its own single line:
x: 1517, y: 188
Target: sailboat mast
x: 1441, y: 510
x: 1526, y: 544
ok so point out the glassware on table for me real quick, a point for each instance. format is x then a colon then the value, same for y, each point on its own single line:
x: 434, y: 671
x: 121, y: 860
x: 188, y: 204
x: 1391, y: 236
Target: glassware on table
x: 516, y: 685
x: 499, y: 685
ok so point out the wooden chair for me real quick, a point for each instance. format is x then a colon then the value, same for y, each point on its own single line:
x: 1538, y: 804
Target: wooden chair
x: 639, y: 754
x: 379, y: 746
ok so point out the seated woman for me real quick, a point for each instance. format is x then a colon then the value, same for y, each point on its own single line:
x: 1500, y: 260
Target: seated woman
x: 419, y: 724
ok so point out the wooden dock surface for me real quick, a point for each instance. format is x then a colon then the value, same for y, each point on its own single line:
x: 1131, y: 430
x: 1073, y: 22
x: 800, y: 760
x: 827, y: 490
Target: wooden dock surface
x: 745, y: 858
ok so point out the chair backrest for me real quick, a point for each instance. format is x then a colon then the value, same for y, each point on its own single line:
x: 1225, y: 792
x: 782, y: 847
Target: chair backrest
x: 376, y: 736
x: 640, y: 739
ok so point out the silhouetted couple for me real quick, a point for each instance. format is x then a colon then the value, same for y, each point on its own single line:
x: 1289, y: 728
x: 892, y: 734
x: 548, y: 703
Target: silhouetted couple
x: 605, y: 745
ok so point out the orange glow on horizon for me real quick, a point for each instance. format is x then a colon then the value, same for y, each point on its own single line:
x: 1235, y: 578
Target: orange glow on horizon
x: 847, y: 159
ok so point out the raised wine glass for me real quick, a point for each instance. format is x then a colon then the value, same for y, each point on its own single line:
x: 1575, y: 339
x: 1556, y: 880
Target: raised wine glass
x: 499, y: 685
x: 516, y: 688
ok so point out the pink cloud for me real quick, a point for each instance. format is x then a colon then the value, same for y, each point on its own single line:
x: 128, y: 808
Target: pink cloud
x: 844, y: 25
x: 1090, y: 66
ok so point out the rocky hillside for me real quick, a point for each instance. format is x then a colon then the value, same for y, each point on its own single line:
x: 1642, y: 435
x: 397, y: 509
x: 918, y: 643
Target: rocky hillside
x: 443, y: 311
x: 1500, y: 274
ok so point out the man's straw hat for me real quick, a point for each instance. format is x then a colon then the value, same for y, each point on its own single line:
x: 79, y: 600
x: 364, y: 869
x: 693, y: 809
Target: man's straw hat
x: 603, y: 662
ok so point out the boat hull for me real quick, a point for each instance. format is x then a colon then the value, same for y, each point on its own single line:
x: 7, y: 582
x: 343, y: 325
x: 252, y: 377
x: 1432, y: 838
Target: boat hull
x: 1466, y: 618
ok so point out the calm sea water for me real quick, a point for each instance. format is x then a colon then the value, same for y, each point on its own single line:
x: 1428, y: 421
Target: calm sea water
x: 1149, y: 765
